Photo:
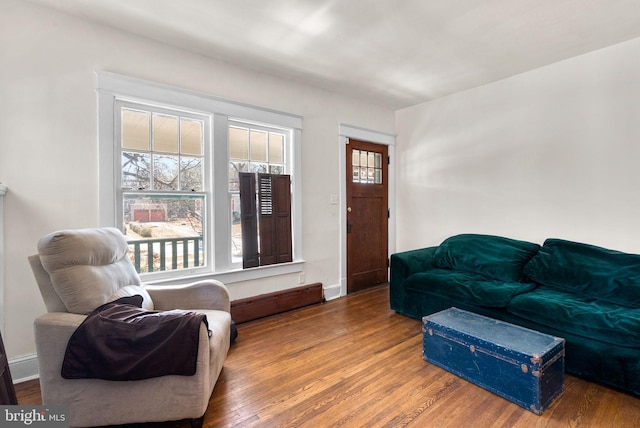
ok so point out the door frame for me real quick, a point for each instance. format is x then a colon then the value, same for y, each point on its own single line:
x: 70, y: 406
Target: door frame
x: 345, y: 132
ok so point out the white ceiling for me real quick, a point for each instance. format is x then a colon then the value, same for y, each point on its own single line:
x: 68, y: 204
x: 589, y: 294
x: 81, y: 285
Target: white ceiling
x: 392, y: 52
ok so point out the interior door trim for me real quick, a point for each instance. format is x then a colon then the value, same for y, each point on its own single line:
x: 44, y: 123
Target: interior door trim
x: 345, y: 132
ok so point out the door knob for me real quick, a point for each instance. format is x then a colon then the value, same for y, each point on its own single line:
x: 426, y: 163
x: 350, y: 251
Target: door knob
x: 348, y: 209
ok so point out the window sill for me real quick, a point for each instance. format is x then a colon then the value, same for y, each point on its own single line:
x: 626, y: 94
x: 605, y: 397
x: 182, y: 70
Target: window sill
x: 229, y: 277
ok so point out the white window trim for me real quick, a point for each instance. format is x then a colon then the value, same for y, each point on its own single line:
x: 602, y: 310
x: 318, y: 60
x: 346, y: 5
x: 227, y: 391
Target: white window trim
x: 112, y: 86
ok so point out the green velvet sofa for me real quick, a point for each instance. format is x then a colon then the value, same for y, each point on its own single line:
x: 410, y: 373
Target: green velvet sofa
x: 586, y: 294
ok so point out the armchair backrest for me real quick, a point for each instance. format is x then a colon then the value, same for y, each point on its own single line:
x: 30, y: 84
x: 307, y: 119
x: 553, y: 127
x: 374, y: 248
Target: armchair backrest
x: 51, y: 299
x: 79, y: 270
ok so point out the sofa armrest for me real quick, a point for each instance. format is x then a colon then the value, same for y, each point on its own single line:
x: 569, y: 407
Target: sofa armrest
x: 206, y: 294
x: 409, y: 262
x: 402, y: 265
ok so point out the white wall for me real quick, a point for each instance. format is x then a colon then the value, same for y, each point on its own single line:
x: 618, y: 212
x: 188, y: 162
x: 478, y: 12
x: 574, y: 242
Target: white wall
x: 48, y: 141
x: 549, y: 153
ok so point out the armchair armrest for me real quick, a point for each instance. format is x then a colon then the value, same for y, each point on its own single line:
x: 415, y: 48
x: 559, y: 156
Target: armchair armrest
x: 206, y: 294
x: 52, y: 332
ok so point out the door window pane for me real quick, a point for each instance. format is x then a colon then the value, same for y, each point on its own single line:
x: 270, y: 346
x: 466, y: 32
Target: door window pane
x: 366, y: 166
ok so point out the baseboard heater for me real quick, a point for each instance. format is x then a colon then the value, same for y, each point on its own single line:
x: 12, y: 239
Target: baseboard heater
x: 261, y: 306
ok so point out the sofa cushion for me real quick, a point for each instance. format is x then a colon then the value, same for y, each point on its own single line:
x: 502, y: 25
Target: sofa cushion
x: 590, y: 271
x: 87, y: 266
x: 466, y: 287
x: 494, y: 257
x: 579, y: 315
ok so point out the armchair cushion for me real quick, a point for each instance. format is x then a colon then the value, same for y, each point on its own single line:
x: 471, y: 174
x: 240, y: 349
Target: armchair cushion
x: 87, y: 266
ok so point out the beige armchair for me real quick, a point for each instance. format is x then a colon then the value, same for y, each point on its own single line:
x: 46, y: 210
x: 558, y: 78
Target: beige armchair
x: 79, y: 270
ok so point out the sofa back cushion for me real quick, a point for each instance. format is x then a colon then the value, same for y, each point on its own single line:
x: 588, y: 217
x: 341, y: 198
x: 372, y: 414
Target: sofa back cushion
x: 88, y: 267
x: 595, y: 272
x: 491, y: 256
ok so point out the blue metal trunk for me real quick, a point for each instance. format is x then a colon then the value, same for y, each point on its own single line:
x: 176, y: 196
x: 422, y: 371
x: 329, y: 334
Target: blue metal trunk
x: 522, y: 365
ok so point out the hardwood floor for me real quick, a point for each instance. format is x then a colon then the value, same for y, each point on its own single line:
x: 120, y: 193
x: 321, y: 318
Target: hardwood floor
x: 352, y: 362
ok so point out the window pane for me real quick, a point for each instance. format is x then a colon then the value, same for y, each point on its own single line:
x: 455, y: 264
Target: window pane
x: 136, y: 170
x: 363, y: 159
x: 165, y: 172
x: 238, y: 143
x: 276, y: 169
x: 276, y: 148
x: 234, y: 178
x: 190, y: 137
x: 191, y: 173
x: 258, y: 167
x: 356, y: 174
x: 236, y: 229
x: 164, y: 233
x: 135, y: 130
x: 165, y: 133
x: 367, y: 167
x: 258, y: 142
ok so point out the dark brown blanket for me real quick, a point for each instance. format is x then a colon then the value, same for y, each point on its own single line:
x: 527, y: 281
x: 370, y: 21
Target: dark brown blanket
x: 121, y: 341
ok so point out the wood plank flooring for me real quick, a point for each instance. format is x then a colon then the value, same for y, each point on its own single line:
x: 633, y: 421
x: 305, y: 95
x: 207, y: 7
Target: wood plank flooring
x: 352, y: 362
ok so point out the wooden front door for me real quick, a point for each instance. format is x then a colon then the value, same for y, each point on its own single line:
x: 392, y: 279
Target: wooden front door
x: 367, y: 214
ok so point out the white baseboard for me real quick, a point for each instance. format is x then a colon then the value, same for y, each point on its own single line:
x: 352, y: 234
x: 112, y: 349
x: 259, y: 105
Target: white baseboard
x: 24, y: 368
x: 332, y: 292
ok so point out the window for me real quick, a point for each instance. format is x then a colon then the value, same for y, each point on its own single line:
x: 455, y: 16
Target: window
x: 163, y: 185
x: 257, y: 150
x: 170, y: 166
